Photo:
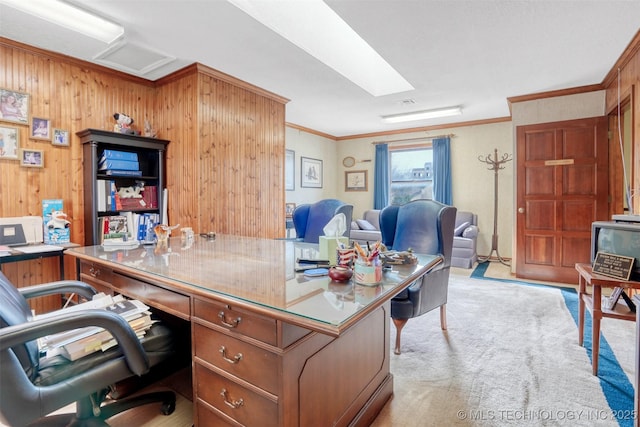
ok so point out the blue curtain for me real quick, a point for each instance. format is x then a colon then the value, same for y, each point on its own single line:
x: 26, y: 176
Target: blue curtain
x: 381, y: 178
x: 442, y: 171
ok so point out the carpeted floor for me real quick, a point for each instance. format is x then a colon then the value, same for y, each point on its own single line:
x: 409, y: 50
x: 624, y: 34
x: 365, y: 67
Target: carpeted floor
x: 510, y: 357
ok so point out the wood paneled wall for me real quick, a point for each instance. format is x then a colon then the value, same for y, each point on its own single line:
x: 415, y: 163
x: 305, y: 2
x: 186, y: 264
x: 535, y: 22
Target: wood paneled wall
x: 226, y: 158
x: 621, y: 83
x: 224, y: 163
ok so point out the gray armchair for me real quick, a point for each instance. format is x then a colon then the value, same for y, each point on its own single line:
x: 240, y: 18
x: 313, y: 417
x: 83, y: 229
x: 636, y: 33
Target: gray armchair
x: 310, y: 219
x: 426, y: 227
x: 32, y: 387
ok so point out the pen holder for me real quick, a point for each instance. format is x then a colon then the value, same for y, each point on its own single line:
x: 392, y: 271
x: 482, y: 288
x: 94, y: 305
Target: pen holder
x: 368, y: 272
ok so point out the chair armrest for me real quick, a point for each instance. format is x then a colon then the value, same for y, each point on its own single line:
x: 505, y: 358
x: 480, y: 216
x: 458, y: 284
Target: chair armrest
x: 114, y: 323
x: 59, y: 287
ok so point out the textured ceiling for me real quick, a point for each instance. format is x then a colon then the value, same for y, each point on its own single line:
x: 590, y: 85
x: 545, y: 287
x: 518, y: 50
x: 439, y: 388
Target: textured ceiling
x: 473, y: 53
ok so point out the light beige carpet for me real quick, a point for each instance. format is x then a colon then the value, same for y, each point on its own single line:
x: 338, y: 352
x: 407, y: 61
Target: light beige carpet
x: 510, y: 357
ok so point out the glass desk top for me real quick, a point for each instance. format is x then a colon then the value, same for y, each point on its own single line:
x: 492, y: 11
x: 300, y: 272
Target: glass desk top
x: 260, y: 272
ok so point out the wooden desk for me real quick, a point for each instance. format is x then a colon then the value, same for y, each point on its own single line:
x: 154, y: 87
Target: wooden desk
x: 269, y: 347
x: 594, y: 304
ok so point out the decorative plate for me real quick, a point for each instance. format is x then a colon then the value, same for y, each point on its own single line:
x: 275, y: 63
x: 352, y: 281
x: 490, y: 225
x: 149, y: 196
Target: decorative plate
x: 348, y: 162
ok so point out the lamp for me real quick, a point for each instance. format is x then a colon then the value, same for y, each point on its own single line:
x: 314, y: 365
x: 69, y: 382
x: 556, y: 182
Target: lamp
x: 421, y: 115
x: 71, y: 17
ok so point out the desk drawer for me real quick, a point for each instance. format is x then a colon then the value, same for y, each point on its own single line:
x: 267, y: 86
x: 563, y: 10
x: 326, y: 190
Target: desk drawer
x: 252, y: 364
x: 243, y: 405
x: 96, y: 272
x: 154, y: 296
x: 237, y: 320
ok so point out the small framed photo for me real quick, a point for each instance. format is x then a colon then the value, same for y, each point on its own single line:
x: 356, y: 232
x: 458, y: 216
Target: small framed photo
x: 32, y: 158
x: 289, y: 170
x: 14, y: 106
x: 40, y: 128
x: 60, y: 137
x: 310, y: 172
x: 9, y: 142
x: 288, y: 209
x: 355, y: 181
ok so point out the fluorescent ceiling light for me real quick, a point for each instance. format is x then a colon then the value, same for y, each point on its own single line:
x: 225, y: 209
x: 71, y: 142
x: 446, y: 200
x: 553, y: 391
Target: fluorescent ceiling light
x: 421, y: 115
x: 71, y: 17
x: 318, y: 30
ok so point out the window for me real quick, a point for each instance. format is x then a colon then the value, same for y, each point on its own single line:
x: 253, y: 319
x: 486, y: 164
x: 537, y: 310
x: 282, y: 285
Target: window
x: 411, y: 174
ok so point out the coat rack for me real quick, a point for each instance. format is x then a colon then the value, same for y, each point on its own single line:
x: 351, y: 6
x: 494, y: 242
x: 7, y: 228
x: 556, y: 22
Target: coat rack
x: 495, y: 165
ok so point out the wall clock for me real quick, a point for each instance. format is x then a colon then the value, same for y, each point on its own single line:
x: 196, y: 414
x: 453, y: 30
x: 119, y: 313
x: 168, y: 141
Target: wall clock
x: 348, y: 161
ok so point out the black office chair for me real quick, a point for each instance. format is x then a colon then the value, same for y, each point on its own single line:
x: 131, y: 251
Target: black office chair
x: 32, y: 387
x: 426, y: 227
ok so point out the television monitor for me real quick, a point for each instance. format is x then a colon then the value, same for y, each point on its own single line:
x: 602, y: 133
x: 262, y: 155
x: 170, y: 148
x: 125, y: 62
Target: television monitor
x: 618, y: 238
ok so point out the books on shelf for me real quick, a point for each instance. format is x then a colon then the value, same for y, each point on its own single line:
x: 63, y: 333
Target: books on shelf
x: 122, y: 172
x: 127, y: 165
x: 138, y: 226
x: 81, y: 342
x: 108, y: 198
x: 118, y: 155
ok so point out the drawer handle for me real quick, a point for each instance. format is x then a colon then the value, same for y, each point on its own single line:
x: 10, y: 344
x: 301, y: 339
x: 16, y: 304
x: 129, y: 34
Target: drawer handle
x: 95, y: 272
x: 232, y: 324
x: 236, y: 358
x: 235, y: 404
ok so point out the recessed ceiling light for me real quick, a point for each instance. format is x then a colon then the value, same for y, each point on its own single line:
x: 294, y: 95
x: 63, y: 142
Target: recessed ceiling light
x: 421, y: 115
x: 71, y: 17
x: 318, y: 30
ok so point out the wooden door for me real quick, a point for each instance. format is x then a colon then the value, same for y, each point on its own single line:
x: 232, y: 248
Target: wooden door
x: 562, y: 187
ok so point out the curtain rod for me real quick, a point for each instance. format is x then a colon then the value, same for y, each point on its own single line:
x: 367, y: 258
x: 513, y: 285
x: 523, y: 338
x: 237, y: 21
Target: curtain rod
x: 450, y: 135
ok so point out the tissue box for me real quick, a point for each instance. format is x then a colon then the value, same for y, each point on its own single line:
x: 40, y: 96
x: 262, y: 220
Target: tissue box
x: 328, y: 246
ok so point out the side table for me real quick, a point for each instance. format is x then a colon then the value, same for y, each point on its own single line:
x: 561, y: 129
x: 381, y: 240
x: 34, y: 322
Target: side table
x: 594, y: 304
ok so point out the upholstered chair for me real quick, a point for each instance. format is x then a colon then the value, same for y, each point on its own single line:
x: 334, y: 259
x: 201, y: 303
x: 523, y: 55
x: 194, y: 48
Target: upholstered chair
x: 310, y: 219
x: 426, y: 227
x: 33, y: 386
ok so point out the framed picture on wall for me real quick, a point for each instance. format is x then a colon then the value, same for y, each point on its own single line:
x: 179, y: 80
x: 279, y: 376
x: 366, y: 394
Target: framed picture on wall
x: 40, y: 128
x: 288, y: 209
x: 9, y: 142
x: 310, y: 172
x: 32, y: 158
x: 14, y: 106
x: 289, y: 170
x: 355, y: 181
x: 60, y: 137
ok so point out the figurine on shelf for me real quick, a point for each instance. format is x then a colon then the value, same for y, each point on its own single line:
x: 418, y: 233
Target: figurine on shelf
x: 149, y: 131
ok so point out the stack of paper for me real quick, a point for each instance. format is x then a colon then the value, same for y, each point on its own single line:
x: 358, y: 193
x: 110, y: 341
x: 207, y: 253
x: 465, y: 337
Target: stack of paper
x: 81, y: 342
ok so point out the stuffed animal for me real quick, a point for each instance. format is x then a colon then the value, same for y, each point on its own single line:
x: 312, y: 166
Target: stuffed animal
x: 58, y: 220
x: 131, y: 192
x: 123, y: 124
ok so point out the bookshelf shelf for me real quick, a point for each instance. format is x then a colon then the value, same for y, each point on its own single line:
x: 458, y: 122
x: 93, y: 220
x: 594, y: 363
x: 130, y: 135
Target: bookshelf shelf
x: 150, y: 154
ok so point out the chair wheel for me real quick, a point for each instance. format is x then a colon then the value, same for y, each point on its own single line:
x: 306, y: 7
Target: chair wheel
x: 168, y: 408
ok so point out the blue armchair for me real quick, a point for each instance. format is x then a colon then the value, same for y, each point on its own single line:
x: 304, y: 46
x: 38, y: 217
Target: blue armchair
x: 426, y: 227
x: 310, y: 219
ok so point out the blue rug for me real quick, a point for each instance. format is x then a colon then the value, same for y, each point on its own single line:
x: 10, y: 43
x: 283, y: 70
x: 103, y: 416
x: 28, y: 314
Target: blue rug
x: 614, y: 382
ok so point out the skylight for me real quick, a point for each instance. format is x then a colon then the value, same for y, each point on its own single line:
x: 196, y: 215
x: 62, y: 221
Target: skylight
x: 315, y: 28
